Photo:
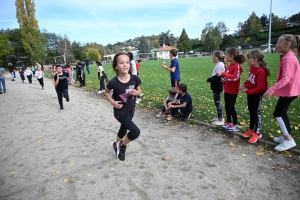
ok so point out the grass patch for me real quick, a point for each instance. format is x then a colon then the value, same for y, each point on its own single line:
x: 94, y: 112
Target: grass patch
x: 194, y: 72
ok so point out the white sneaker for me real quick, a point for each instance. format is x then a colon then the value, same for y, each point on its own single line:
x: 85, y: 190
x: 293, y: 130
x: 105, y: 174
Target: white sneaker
x: 285, y: 145
x: 169, y: 118
x: 218, y: 122
x: 160, y: 114
x: 278, y: 139
x: 100, y: 91
x: 138, y: 100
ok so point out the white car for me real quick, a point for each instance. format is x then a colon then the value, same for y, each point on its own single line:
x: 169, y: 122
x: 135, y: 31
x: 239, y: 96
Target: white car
x: 266, y: 45
x: 196, y: 54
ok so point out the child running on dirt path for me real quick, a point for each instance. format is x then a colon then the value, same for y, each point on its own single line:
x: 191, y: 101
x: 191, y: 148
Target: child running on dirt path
x: 61, y: 83
x: 126, y: 87
x: 39, y: 74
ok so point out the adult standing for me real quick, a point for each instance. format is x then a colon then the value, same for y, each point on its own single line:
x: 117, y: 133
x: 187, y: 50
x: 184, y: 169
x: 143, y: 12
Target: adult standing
x: 87, y: 64
x: 174, y: 68
x: 287, y: 88
x: 2, y: 80
x: 81, y: 74
x: 12, y: 71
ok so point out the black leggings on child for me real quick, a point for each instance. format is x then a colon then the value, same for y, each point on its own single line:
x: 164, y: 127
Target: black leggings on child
x: 230, y: 100
x: 41, y: 81
x: 60, y: 95
x: 127, y: 124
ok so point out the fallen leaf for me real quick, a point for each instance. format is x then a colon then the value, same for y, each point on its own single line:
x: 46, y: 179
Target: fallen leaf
x: 12, y: 172
x: 232, y: 149
x: 240, y: 146
x: 259, y: 153
x: 232, y: 194
x: 85, y: 153
x: 269, y: 159
x: 126, y: 163
x: 47, y: 195
x: 167, y: 158
x: 38, y: 141
x: 231, y: 143
x: 296, y: 128
x: 55, y: 173
x: 278, y: 131
x: 66, y: 180
x: 162, y: 141
x: 244, y: 155
x: 112, y: 169
x: 89, y: 174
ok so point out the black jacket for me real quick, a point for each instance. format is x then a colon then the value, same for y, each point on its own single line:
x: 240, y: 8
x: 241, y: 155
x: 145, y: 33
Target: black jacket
x: 215, y: 83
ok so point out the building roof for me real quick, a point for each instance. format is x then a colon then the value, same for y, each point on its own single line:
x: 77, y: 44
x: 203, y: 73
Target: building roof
x: 165, y: 48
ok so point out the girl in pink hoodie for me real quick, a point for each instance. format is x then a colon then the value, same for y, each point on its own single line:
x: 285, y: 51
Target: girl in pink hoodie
x: 287, y: 88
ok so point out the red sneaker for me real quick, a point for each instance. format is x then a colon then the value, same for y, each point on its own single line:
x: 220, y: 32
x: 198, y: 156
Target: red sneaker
x: 248, y: 133
x: 254, y: 138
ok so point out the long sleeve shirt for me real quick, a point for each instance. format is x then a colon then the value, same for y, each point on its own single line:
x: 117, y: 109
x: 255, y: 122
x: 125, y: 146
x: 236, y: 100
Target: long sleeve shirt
x: 288, y: 81
x: 257, y: 81
x: 232, y: 78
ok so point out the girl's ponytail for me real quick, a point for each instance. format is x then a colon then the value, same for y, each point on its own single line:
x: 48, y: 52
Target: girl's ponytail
x: 265, y: 66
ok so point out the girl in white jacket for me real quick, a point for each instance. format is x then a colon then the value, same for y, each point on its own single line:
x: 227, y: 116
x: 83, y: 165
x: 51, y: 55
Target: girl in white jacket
x: 39, y: 74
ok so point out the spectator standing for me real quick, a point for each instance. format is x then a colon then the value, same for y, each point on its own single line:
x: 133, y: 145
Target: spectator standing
x: 2, y: 80
x: 174, y: 68
x: 87, y: 64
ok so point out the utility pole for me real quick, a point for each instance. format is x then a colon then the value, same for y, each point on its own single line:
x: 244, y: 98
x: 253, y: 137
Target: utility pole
x: 270, y: 27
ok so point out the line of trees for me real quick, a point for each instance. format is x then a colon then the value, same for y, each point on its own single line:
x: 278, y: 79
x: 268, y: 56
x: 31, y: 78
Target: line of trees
x: 28, y: 44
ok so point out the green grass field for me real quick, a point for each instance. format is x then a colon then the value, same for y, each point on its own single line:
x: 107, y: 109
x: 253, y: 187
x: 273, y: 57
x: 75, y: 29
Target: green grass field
x: 194, y: 72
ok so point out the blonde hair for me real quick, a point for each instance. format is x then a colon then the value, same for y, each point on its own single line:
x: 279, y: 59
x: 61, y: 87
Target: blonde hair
x: 220, y: 55
x: 172, y: 90
x: 257, y: 54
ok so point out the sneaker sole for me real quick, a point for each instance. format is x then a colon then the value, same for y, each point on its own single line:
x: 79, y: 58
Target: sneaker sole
x: 255, y: 140
x: 246, y: 136
x: 284, y: 149
x: 235, y: 130
x: 112, y: 145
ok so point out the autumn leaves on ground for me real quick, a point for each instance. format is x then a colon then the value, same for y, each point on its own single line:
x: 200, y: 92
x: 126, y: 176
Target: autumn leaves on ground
x: 47, y: 153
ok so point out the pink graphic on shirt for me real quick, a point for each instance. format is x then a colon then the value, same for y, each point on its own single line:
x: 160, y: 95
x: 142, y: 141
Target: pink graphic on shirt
x: 125, y: 96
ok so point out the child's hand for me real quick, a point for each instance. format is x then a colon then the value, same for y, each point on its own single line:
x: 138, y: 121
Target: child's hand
x: 266, y: 95
x: 219, y: 74
x: 118, y: 104
x: 134, y: 92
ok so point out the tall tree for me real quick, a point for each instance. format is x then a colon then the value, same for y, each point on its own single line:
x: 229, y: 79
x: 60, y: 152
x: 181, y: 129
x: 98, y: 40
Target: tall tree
x: 278, y: 22
x: 184, y: 43
x: 253, y: 24
x: 91, y: 53
x: 264, y: 19
x: 6, y: 49
x: 167, y: 39
x: 211, y: 37
x: 30, y: 33
x: 143, y: 46
x: 228, y: 41
x: 222, y: 28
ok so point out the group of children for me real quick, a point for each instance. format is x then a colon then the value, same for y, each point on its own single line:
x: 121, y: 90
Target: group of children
x: 287, y: 88
x: 38, y: 73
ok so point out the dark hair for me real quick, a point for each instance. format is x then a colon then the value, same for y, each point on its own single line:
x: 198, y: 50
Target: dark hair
x: 259, y: 55
x: 130, y: 55
x: 182, y: 87
x: 58, y: 66
x: 98, y: 63
x: 174, y: 52
x: 115, y: 62
x: 237, y: 56
x: 139, y: 61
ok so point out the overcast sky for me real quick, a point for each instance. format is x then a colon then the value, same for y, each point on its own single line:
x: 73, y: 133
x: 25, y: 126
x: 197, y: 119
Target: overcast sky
x: 111, y: 21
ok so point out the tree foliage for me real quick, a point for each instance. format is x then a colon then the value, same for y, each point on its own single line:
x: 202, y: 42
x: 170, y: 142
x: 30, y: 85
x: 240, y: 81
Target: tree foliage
x: 228, y: 41
x: 211, y: 37
x: 30, y: 33
x: 143, y: 46
x: 6, y: 49
x: 184, y: 44
x: 167, y: 39
x: 91, y: 53
x: 253, y: 24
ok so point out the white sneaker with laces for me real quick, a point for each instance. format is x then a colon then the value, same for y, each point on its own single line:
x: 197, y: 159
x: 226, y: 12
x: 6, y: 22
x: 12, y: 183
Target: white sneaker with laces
x: 278, y: 139
x: 285, y: 145
x: 160, y: 114
x: 100, y: 91
x: 169, y: 118
x: 138, y: 100
x: 218, y: 122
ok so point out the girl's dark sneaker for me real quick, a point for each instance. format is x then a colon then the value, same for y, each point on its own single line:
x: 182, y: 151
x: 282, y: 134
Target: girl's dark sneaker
x: 114, y: 146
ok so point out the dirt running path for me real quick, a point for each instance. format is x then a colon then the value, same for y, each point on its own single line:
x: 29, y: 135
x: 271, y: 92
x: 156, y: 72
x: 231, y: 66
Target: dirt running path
x: 51, y: 154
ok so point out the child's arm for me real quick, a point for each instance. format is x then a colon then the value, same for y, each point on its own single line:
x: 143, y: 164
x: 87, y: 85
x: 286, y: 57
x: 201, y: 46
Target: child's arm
x: 183, y: 105
x: 57, y: 80
x: 261, y: 78
x: 233, y: 76
x: 116, y: 104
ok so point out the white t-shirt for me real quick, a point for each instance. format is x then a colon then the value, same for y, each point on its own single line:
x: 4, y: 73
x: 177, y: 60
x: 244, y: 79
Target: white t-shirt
x: 39, y: 74
x: 28, y: 72
x: 219, y: 68
x: 100, y: 68
x: 133, y: 66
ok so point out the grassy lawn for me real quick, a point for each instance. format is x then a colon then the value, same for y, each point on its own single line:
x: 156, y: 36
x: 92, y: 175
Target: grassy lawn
x: 194, y: 72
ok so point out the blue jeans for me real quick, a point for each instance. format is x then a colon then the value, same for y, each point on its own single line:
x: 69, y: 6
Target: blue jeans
x: 88, y: 69
x: 12, y: 75
x: 2, y: 83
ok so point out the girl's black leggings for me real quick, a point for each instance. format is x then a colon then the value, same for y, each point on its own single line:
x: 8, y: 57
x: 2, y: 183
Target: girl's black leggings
x: 60, y: 95
x: 254, y: 105
x: 41, y: 81
x: 230, y: 100
x: 127, y: 124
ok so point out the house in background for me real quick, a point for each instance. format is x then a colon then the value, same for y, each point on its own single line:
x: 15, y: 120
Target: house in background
x: 164, y: 52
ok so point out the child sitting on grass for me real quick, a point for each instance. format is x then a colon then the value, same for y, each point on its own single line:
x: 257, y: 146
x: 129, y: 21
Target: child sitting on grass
x: 171, y: 97
x: 182, y: 104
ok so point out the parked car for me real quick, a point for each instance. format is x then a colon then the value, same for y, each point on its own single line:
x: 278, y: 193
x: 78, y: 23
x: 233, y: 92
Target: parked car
x: 196, y: 54
x: 266, y: 45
